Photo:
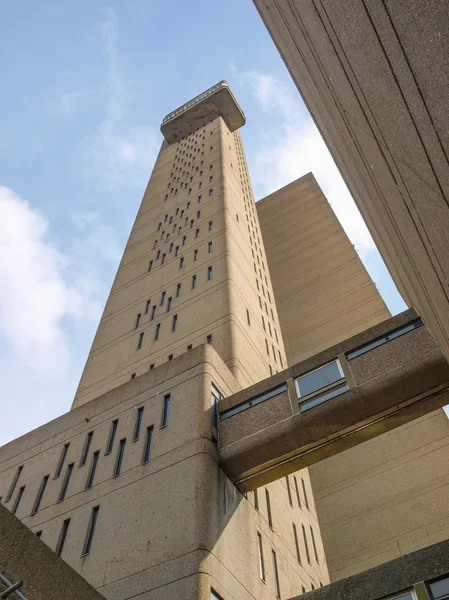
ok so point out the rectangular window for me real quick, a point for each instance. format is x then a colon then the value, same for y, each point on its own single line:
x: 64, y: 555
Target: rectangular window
x: 199, y: 198
x: 165, y: 410
x: 14, y: 483
x: 439, y: 589
x: 171, y: 247
x: 193, y: 282
x: 198, y: 214
x: 140, y: 340
x: 112, y: 433
x: 150, y: 266
x: 158, y: 331
x: 327, y: 380
x: 209, y: 273
x: 163, y: 258
x: 260, y: 552
x: 189, y: 347
x: 147, y: 306
x: 174, y: 323
x: 147, y: 448
x: 256, y: 500
x: 86, y: 448
x: 17, y: 500
x: 295, y: 535
x: 210, y: 192
x: 169, y: 303
x: 181, y: 262
x: 65, y: 483
x: 209, y: 338
x: 298, y: 498
x: 138, y: 423
x: 197, y: 234
x: 153, y: 312
x: 62, y: 536
x: 163, y: 298
x: 91, y: 530
x: 276, y: 574
x: 151, y: 366
x: 176, y: 250
x: 306, y: 545
x: 210, y: 225
x: 40, y: 494
x: 170, y: 357
x: 138, y: 320
x: 158, y: 254
x: 248, y: 317
x: 178, y: 290
x: 210, y: 247
x: 306, y: 500
x: 119, y: 460
x: 39, y: 533
x: 267, y: 499
x: 61, y: 460
x: 93, y: 468
x: 314, y: 545
x: 184, y: 239
x: 195, y: 255
x: 287, y: 482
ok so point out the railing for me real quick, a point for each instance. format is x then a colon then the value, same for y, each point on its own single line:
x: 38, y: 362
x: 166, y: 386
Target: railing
x: 184, y: 107
x: 11, y: 588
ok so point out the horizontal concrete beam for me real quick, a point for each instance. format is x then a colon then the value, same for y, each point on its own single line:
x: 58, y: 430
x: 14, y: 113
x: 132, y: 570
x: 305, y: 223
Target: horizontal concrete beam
x: 373, y: 382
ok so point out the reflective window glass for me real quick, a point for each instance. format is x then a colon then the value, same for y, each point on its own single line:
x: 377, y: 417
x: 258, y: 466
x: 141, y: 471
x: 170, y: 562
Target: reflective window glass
x: 320, y: 378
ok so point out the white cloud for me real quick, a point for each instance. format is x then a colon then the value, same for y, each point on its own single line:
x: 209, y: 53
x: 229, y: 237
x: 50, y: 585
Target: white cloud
x: 293, y: 147
x: 121, y: 151
x: 35, y: 295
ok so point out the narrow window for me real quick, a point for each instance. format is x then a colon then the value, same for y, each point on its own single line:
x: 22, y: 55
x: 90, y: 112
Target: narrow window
x: 39, y: 533
x: 62, y: 536
x: 174, y: 323
x: 158, y: 254
x: 138, y: 320
x: 198, y: 214
x: 61, y: 460
x: 165, y: 410
x: 195, y: 255
x: 181, y: 262
x: 276, y: 574
x: 163, y: 298
x: 153, y: 312
x: 209, y: 338
x: 158, y: 330
x: 86, y: 448
x: 163, y: 258
x: 169, y: 303
x: 191, y: 223
x: 93, y: 468
x: 147, y: 306
x: 306, y: 500
x: 248, y: 318
x: 176, y: 250
x: 140, y: 340
x: 287, y: 481
x: 298, y: 498
x: 260, y: 552
x: 147, y: 448
x: 112, y: 433
x: 150, y: 265
x: 91, y: 530
x: 256, y: 500
x: 210, y: 225
x: 40, y: 494
x: 210, y: 179
x: 138, y: 423
x: 200, y: 185
x: 267, y: 499
x: 65, y: 483
x: 210, y: 247
x: 159, y: 226
x: 151, y: 366
x: 14, y: 483
x: 209, y: 273
x: 178, y: 290
x: 199, y: 197
x: 306, y: 544
x: 170, y: 357
x: 119, y: 460
x: 189, y: 347
x: 17, y: 500
x: 267, y: 347
x: 295, y: 535
x: 184, y: 239
x: 193, y: 282
x: 314, y: 545
x: 197, y: 234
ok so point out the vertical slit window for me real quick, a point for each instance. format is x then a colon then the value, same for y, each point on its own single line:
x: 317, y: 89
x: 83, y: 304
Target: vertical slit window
x: 169, y: 301
x: 93, y: 468
x: 40, y: 494
x: 210, y: 247
x: 39, y: 533
x: 276, y: 574
x: 138, y: 320
x: 140, y: 340
x: 62, y: 536
x: 61, y: 460
x: 295, y: 535
x: 306, y: 545
x: 314, y: 545
x: 298, y: 498
x: 193, y: 282
x: 248, y: 318
x: 163, y: 298
x: 153, y: 312
x: 119, y: 460
x: 267, y: 499
x: 17, y: 500
x: 148, y: 440
x: 165, y: 410
x: 260, y: 552
x: 256, y: 500
x: 158, y: 331
x: 174, y: 323
x: 87, y: 447
x: 150, y: 266
x: 138, y: 424
x: 65, y: 483
x: 209, y: 272
x: 178, y: 290
x: 112, y: 433
x: 287, y: 481
x: 14, y: 483
x: 91, y: 530
x: 306, y: 500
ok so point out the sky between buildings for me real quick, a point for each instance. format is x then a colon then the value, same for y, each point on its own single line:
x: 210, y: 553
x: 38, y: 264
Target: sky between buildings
x: 85, y: 86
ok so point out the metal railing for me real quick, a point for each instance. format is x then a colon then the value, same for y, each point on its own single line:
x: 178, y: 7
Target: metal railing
x: 11, y: 588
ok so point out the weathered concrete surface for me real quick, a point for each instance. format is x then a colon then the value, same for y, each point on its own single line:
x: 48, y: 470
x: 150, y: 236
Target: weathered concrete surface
x: 45, y: 576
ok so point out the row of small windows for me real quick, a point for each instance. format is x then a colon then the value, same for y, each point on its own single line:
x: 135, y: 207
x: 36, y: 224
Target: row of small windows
x: 176, y: 249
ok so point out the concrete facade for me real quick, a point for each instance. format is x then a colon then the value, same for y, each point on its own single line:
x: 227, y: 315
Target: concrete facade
x: 374, y: 78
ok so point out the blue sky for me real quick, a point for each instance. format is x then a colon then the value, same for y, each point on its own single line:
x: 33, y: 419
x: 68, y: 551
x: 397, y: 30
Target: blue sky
x: 85, y: 87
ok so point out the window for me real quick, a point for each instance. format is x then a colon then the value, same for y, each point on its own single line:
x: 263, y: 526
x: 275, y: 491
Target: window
x: 159, y: 226
x: 158, y: 330
x: 17, y: 500
x: 170, y: 357
x: 199, y: 198
x: 181, y: 262
x: 439, y: 589
x: 306, y: 544
x: 267, y: 500
x: 151, y: 366
x: 165, y: 410
x: 153, y: 312
x: 176, y: 250
x: 248, y: 317
x: 158, y: 254
x: 39, y: 533
x: 198, y: 214
x: 214, y: 595
x: 40, y: 494
x: 140, y: 340
x: 163, y: 258
x: 163, y: 298
x: 16, y: 479
x: 215, y: 397
x: 184, y: 239
x: 297, y: 491
x: 138, y: 423
x: 86, y: 448
x: 93, y: 468
x: 189, y: 347
x: 119, y: 460
x: 295, y: 536
x: 275, y: 573
x: 209, y: 247
x: 195, y: 255
x: 65, y: 483
x: 256, y: 500
x: 62, y: 536
x: 211, y: 192
x: 147, y: 306
x: 209, y: 273
x: 61, y: 461
x: 174, y: 323
x: 200, y: 185
x: 147, y: 447
x: 314, y: 545
x: 384, y: 339
x: 306, y: 500
x: 197, y: 234
x: 150, y: 265
x: 169, y: 303
x: 287, y: 482
x: 321, y: 385
x: 210, y: 179
x: 178, y: 290
x: 260, y: 552
x: 91, y: 530
x: 209, y: 338
x: 210, y: 225
x: 112, y: 433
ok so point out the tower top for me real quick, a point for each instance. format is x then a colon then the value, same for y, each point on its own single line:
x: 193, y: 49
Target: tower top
x: 218, y: 100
